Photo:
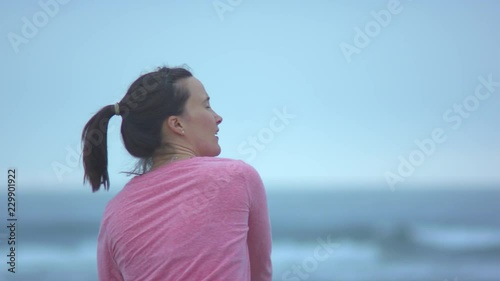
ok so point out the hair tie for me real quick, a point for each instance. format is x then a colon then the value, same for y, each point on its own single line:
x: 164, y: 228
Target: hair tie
x: 117, y: 109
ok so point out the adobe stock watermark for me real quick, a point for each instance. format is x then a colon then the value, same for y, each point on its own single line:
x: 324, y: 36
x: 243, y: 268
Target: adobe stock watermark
x: 96, y: 136
x: 225, y: 6
x: 362, y: 37
x: 324, y: 250
x: 72, y: 156
x: 255, y: 143
x: 31, y: 26
x: 454, y: 117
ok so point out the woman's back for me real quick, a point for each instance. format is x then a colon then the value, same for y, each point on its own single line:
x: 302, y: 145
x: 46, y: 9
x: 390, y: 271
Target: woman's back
x: 202, y: 218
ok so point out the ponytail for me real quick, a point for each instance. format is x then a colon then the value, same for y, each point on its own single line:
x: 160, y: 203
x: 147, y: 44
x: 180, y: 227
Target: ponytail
x: 94, y: 148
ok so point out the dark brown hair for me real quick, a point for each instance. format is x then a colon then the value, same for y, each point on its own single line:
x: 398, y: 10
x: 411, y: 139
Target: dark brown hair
x: 150, y: 99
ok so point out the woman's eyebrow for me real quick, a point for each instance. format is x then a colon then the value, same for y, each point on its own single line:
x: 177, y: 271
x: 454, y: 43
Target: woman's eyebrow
x: 206, y: 100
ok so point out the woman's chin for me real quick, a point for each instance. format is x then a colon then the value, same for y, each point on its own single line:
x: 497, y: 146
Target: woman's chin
x: 218, y: 150
x: 213, y: 151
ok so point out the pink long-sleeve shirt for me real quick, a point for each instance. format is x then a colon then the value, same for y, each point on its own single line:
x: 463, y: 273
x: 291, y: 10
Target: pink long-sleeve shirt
x: 203, y: 218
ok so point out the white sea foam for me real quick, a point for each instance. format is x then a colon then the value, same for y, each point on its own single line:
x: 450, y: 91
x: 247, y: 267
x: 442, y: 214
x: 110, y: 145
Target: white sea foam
x: 38, y: 255
x: 457, y: 237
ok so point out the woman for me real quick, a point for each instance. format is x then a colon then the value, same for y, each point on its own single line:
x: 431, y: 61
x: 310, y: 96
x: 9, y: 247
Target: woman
x: 186, y: 215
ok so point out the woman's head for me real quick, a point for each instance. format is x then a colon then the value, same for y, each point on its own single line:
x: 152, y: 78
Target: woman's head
x: 194, y: 130
x: 165, y: 112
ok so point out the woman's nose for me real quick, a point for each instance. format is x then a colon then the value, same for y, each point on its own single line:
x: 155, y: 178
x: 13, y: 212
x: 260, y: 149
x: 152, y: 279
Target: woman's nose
x: 218, y: 118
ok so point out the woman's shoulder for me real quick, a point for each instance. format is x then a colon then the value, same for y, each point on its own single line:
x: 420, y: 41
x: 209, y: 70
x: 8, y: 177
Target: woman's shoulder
x: 229, y: 165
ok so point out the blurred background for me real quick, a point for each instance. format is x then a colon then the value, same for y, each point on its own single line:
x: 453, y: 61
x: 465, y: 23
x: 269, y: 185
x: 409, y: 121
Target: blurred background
x: 374, y: 126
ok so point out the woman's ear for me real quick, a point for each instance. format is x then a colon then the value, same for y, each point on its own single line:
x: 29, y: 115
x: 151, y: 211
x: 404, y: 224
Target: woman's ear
x: 174, y: 124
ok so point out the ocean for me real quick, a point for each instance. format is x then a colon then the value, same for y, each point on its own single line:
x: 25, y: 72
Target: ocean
x: 330, y: 235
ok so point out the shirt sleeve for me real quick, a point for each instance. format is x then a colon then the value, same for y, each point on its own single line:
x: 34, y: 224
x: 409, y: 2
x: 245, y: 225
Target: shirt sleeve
x: 259, y: 233
x: 107, y: 269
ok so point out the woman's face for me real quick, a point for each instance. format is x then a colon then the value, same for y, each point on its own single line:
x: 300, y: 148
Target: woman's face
x: 199, y: 120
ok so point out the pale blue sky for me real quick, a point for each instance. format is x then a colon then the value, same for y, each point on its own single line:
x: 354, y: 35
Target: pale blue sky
x: 352, y: 120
